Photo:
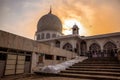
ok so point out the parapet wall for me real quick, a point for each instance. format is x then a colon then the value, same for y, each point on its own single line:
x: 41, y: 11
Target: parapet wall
x: 12, y: 41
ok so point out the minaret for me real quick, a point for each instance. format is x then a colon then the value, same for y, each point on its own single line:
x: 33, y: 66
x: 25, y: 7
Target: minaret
x: 75, y: 29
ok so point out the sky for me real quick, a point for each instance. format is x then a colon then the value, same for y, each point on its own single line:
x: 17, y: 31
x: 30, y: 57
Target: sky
x: 93, y: 17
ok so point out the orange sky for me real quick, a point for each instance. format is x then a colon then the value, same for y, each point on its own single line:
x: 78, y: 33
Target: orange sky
x: 97, y: 16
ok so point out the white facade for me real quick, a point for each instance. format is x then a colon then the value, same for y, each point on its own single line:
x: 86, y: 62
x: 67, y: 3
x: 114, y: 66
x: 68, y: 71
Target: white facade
x: 107, y: 43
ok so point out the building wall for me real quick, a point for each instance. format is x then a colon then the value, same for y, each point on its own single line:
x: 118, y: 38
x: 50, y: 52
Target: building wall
x: 32, y: 48
x: 101, y: 40
x: 72, y: 41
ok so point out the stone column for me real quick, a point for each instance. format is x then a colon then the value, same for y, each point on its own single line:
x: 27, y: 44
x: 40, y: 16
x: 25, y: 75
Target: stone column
x: 79, y: 50
x: 34, y: 61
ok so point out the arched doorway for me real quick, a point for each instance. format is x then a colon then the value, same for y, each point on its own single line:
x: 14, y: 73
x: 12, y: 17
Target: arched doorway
x: 110, y: 49
x: 95, y: 50
x: 68, y: 47
x: 83, y: 47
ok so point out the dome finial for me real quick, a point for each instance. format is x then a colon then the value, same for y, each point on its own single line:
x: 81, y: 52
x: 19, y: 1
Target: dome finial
x: 50, y: 9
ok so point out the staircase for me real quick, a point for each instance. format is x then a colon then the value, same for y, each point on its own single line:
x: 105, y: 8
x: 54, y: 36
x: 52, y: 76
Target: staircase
x: 94, y: 68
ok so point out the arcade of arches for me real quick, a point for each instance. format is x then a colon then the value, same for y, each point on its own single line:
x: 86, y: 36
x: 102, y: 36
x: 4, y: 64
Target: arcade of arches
x: 109, y: 49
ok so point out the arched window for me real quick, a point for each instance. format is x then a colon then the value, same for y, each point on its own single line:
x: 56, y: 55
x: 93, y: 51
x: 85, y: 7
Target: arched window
x: 42, y: 36
x: 109, y: 45
x: 110, y: 49
x: 53, y: 35
x: 38, y: 37
x: 57, y: 43
x: 47, y: 35
x: 68, y: 47
x: 94, y: 47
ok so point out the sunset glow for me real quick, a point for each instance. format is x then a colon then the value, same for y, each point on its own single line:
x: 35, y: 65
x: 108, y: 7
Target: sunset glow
x: 68, y: 24
x: 93, y: 17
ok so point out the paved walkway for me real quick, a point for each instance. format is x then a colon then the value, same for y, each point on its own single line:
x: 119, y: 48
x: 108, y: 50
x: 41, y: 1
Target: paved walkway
x: 50, y: 78
x: 35, y: 77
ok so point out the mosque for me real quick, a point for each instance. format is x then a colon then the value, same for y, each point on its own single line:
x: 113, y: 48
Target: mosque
x: 49, y: 31
x: 21, y: 55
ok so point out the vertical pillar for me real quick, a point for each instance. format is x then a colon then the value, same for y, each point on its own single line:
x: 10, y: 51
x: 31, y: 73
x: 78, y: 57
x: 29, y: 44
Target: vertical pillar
x: 34, y: 61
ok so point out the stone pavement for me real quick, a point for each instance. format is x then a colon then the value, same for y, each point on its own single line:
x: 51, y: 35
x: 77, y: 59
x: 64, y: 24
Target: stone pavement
x: 50, y: 78
x: 37, y: 77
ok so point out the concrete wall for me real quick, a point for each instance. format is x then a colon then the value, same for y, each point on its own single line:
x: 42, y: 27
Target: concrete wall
x: 8, y: 40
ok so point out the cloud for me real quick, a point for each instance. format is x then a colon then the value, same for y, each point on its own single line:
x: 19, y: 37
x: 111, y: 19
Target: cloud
x: 97, y: 16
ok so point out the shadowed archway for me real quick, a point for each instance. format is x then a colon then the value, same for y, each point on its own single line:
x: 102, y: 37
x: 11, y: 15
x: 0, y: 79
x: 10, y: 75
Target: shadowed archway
x: 83, y: 47
x: 95, y: 50
x: 68, y: 47
x: 110, y: 49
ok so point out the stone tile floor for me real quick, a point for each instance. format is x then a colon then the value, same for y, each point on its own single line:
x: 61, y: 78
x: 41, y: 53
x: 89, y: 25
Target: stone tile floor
x: 36, y: 77
x: 50, y: 78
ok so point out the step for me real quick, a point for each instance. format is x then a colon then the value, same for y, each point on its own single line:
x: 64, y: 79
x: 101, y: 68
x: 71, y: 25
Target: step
x: 81, y: 76
x: 114, y: 60
x: 98, y: 58
x: 92, y: 72
x: 99, y: 61
x: 96, y: 64
x: 101, y: 77
x: 93, y: 69
x: 59, y: 75
x: 96, y: 67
